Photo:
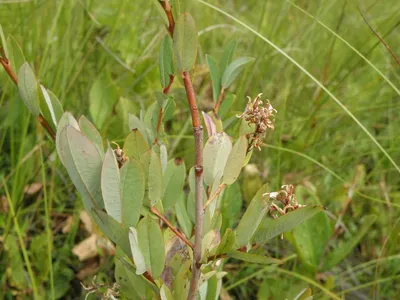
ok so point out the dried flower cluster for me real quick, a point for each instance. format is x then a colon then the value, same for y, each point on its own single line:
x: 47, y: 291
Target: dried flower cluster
x: 261, y: 116
x: 120, y: 156
x: 283, y: 201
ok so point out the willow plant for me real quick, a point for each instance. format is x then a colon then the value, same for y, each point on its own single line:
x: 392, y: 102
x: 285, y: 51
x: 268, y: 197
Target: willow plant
x: 129, y: 190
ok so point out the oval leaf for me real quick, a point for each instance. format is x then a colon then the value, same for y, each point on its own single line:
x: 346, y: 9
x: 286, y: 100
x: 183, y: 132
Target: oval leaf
x: 103, y: 96
x: 110, y: 186
x: 83, y: 163
x: 137, y: 255
x: 155, y: 179
x: 216, y: 152
x: 91, y: 133
x: 132, y: 191
x: 50, y: 106
x: 252, y: 217
x: 66, y: 119
x: 151, y: 244
x: 233, y: 70
x: 271, y: 228
x: 135, y: 145
x: 174, y: 179
x: 166, y: 61
x: 235, y: 161
x: 28, y: 89
x: 185, y: 42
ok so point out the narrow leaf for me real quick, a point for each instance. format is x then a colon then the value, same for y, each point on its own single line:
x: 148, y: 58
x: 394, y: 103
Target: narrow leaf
x: 254, y: 258
x: 151, y: 244
x: 210, y: 125
x: 182, y: 215
x: 132, y: 192
x: 235, y: 161
x: 28, y: 89
x: 226, y: 244
x: 252, y: 217
x: 216, y: 152
x: 166, y: 61
x: 185, y: 43
x: 270, y: 228
x: 15, y: 53
x: 137, y: 255
x: 226, y: 58
x: 215, y: 76
x: 91, y: 133
x: 155, y: 178
x: 233, y: 70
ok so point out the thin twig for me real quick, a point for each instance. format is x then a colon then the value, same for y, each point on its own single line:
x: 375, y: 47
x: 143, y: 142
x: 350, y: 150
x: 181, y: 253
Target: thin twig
x: 168, y: 11
x: 381, y: 40
x: 215, y: 195
x: 220, y: 99
x: 5, y: 62
x: 199, y: 213
x: 176, y: 231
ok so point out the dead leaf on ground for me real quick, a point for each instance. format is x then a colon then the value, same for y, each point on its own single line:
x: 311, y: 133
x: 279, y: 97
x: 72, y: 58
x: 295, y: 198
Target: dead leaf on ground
x: 33, y: 188
x: 87, y: 248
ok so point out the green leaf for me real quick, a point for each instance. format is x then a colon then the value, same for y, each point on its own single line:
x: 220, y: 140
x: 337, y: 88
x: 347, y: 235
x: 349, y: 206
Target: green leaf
x: 151, y: 244
x: 155, y: 179
x: 161, y: 11
x: 135, y: 123
x: 166, y: 61
x: 66, y: 119
x: 3, y: 42
x: 254, y: 258
x: 83, y: 163
x: 209, y: 242
x: 226, y: 105
x: 50, y: 106
x: 233, y: 70
x: 215, y: 76
x: 124, y: 281
x: 182, y: 215
x: 174, y: 179
x: 165, y: 293
x: 185, y: 43
x: 169, y: 109
x: 271, y: 228
x: 102, y: 98
x: 310, y: 240
x: 235, y: 161
x: 252, y: 217
x: 341, y: 252
x: 28, y: 89
x: 226, y: 58
x: 110, y: 186
x: 15, y: 53
x: 216, y: 152
x: 231, y: 205
x: 226, y: 244
x: 132, y: 191
x: 135, y: 145
x: 137, y: 254
x: 92, y: 134
x: 176, y: 8
x: 113, y: 230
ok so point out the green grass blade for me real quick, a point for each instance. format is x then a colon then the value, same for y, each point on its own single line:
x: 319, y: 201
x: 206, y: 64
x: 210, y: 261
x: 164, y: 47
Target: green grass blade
x: 338, y: 102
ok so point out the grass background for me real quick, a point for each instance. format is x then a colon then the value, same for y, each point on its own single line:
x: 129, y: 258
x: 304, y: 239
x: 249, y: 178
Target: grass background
x: 317, y: 145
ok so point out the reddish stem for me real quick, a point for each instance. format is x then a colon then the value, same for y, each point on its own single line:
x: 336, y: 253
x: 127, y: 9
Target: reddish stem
x: 176, y: 231
x: 220, y: 99
x: 5, y: 62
